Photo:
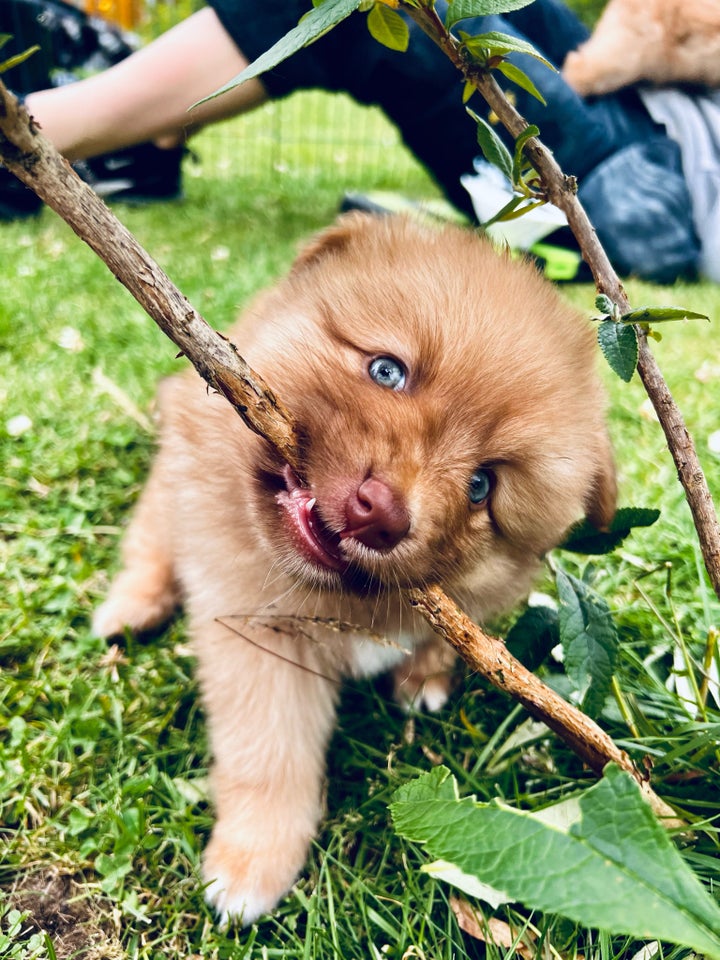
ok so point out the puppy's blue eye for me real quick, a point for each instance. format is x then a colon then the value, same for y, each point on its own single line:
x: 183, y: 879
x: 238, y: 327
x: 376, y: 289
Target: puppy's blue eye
x: 479, y: 487
x: 387, y: 372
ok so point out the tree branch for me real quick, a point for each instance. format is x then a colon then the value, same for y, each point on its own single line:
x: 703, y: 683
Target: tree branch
x: 35, y: 161
x: 560, y: 190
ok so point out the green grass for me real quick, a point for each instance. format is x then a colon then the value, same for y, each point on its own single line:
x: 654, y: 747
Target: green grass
x: 102, y: 752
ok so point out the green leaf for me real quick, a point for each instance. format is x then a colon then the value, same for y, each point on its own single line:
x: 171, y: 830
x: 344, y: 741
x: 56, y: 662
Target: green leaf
x: 619, y: 344
x: 462, y: 9
x: 494, y: 150
x: 496, y: 44
x: 310, y: 28
x: 660, y: 315
x: 533, y: 635
x: 18, y: 58
x: 587, y: 539
x: 589, y: 639
x: 605, y: 305
x: 518, y: 76
x: 529, y: 131
x: 505, y: 212
x: 469, y: 89
x: 388, y: 27
x: 613, y: 868
x: 521, y: 210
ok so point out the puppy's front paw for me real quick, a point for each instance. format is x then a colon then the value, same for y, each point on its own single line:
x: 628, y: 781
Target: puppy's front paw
x: 134, y: 604
x: 244, y: 883
x: 426, y: 680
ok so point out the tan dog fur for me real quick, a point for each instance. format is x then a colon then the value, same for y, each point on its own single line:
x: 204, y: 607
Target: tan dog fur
x: 500, y: 374
x: 659, y: 41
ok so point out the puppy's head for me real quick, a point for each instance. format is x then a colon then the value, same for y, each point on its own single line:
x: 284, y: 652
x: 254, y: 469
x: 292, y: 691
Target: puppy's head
x: 450, y: 416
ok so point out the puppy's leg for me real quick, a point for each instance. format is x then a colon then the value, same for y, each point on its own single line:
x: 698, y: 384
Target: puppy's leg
x: 269, y: 721
x: 424, y: 680
x: 144, y: 594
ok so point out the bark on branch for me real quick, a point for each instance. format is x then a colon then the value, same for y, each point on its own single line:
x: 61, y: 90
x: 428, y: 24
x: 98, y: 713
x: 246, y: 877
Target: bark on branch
x: 561, y: 191
x: 35, y: 161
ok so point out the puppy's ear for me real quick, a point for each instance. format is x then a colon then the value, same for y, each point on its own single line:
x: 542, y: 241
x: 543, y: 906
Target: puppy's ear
x: 335, y: 239
x: 601, y: 500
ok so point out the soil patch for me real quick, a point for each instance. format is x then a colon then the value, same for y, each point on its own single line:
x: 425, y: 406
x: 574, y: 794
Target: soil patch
x: 58, y: 905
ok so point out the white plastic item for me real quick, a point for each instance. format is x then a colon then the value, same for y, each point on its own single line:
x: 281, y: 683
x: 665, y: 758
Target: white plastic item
x: 490, y: 191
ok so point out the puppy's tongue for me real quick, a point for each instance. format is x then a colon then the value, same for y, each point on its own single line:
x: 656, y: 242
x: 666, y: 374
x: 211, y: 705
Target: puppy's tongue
x: 310, y: 537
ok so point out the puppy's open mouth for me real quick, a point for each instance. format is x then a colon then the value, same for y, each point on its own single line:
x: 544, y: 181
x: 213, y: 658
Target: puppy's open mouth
x: 310, y: 536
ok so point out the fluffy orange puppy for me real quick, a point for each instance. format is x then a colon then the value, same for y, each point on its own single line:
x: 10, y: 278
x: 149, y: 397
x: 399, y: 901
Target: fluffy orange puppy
x: 658, y: 41
x: 452, y: 430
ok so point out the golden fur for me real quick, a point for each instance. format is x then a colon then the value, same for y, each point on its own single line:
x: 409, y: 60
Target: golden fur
x: 500, y: 374
x: 658, y: 41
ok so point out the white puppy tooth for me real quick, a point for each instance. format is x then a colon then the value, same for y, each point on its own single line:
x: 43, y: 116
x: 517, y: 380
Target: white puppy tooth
x: 311, y: 503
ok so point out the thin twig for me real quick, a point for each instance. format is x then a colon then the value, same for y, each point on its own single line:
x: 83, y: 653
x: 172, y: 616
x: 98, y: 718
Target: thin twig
x: 560, y: 190
x: 36, y: 162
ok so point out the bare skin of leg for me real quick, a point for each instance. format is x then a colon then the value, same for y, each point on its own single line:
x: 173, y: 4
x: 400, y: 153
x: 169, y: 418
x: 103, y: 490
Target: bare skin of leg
x: 148, y: 95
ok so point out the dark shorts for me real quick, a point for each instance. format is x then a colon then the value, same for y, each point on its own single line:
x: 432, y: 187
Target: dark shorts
x: 420, y: 91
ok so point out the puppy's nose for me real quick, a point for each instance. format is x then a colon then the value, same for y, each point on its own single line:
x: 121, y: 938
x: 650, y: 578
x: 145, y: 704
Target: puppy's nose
x: 376, y: 515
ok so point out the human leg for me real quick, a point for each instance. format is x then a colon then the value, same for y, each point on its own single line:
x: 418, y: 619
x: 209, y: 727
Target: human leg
x: 643, y: 216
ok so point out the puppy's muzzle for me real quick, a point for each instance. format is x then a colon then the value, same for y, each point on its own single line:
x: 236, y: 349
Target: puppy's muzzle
x: 376, y: 515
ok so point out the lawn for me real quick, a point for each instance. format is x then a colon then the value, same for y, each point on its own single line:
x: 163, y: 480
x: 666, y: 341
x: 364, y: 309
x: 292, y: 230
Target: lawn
x: 103, y: 801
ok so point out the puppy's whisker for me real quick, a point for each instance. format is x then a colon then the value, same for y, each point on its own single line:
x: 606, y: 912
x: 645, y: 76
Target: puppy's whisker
x: 279, y: 656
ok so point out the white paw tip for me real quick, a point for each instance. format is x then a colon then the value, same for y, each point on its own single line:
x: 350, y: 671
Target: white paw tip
x: 239, y: 909
x: 433, y: 697
x: 103, y: 622
x: 430, y: 698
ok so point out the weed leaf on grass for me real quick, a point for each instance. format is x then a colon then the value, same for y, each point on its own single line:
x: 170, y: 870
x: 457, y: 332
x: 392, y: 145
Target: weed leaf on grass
x: 587, y: 539
x: 613, y: 868
x: 533, y: 635
x: 589, y: 640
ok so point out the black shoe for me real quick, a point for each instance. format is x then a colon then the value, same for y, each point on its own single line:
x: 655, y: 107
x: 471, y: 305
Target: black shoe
x: 141, y: 174
x: 17, y: 202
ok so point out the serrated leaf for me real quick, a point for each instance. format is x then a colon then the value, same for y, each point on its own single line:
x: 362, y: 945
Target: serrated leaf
x: 435, y: 785
x: 605, y: 305
x: 533, y: 635
x: 388, y: 27
x: 496, y: 44
x: 587, y: 539
x: 519, y: 77
x: 312, y: 26
x: 614, y: 868
x: 494, y: 150
x: 660, y: 315
x: 589, y: 639
x: 449, y: 873
x: 619, y: 344
x: 463, y: 9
